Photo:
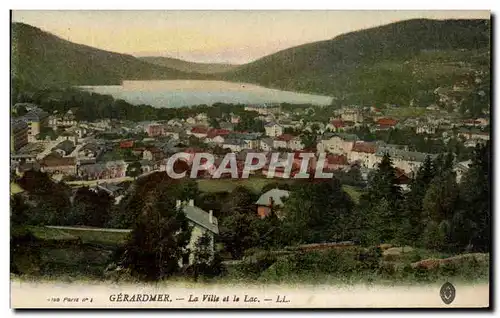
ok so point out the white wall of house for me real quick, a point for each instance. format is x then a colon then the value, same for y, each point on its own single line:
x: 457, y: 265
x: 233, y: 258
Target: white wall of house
x: 274, y: 130
x: 295, y: 144
x: 335, y: 145
x: 264, y: 146
x: 368, y: 160
x: 234, y: 148
x: 280, y: 144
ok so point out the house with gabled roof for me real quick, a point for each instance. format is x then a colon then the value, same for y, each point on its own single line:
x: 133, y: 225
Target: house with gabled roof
x: 364, y: 153
x: 272, y: 200
x: 338, y: 143
x: 202, y: 223
x: 273, y: 129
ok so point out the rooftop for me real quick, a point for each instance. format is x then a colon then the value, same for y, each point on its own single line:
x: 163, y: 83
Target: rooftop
x: 275, y: 195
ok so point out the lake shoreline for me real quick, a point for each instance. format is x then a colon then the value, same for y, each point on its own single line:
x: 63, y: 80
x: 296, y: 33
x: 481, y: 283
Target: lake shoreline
x: 186, y: 93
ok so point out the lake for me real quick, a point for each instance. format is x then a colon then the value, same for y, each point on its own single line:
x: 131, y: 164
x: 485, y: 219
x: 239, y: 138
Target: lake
x: 179, y: 93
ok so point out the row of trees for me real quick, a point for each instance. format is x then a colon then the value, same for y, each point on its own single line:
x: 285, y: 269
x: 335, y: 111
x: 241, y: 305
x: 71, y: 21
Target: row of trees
x: 92, y: 106
x: 437, y: 212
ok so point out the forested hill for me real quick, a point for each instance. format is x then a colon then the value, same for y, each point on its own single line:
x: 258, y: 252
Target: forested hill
x: 186, y: 66
x: 43, y: 59
x: 393, y: 63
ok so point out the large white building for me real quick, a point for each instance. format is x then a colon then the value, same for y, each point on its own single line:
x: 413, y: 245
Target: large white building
x: 273, y: 130
x: 337, y: 143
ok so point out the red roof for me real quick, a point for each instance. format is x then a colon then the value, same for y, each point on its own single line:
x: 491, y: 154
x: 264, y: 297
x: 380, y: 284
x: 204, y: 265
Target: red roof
x: 217, y: 132
x: 127, y: 144
x: 337, y: 123
x: 367, y: 147
x: 387, y: 122
x: 401, y: 176
x: 336, y: 159
x: 472, y: 121
x: 285, y: 137
x: 199, y: 130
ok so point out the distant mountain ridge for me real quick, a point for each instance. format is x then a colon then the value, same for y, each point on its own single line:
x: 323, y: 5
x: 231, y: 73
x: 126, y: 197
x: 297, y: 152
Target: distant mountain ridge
x: 400, y: 63
x: 187, y: 66
x: 409, y: 58
x: 43, y: 59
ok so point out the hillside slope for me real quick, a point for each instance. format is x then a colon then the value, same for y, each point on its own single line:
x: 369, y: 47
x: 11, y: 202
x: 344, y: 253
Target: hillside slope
x: 186, y: 66
x: 42, y: 59
x: 393, y: 63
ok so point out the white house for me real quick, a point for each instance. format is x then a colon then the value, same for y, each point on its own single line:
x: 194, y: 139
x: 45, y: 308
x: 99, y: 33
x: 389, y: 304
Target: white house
x: 201, y: 117
x: 202, y: 222
x: 353, y: 115
x: 217, y: 139
x: 234, y: 145
x: 295, y: 143
x: 426, y: 129
x: 408, y: 161
x: 337, y: 143
x: 282, y: 141
x: 273, y: 129
x: 364, y: 153
x: 461, y: 168
x: 266, y: 144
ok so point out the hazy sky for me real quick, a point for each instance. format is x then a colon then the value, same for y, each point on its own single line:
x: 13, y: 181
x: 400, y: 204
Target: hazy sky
x: 213, y: 36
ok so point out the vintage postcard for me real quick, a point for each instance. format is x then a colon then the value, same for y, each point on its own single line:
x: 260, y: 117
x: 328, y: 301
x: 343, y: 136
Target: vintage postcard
x: 250, y: 159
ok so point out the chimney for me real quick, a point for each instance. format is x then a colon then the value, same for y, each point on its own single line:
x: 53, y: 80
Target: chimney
x: 191, y: 202
x: 177, y: 204
x: 210, y: 217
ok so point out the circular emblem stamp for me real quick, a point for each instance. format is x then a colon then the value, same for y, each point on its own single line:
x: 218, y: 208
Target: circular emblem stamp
x: 447, y: 293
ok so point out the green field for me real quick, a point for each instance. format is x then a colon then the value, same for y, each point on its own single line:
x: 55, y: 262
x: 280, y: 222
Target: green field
x: 86, y: 236
x: 45, y: 233
x: 94, y: 182
x: 256, y: 185
x: 99, y: 237
x: 220, y: 185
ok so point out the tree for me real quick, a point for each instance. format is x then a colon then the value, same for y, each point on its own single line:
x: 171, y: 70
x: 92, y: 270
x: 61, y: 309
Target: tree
x: 159, y: 239
x: 206, y: 262
x: 412, y: 226
x: 134, y: 169
x: 18, y: 210
x: 441, y: 197
x: 214, y: 123
x: 90, y: 208
x: 434, y: 236
x: 309, y: 139
x: 238, y: 233
x: 49, y: 201
x: 237, y: 229
x: 317, y: 212
x: 475, y: 200
x: 380, y: 206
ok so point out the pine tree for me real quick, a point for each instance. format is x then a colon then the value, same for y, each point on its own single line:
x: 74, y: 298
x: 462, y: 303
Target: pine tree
x: 318, y: 212
x: 412, y: 225
x: 475, y: 204
x: 159, y: 239
x: 380, y: 207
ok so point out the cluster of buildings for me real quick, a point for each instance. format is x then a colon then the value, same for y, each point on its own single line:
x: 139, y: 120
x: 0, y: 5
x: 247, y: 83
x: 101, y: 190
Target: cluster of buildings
x: 96, y: 151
